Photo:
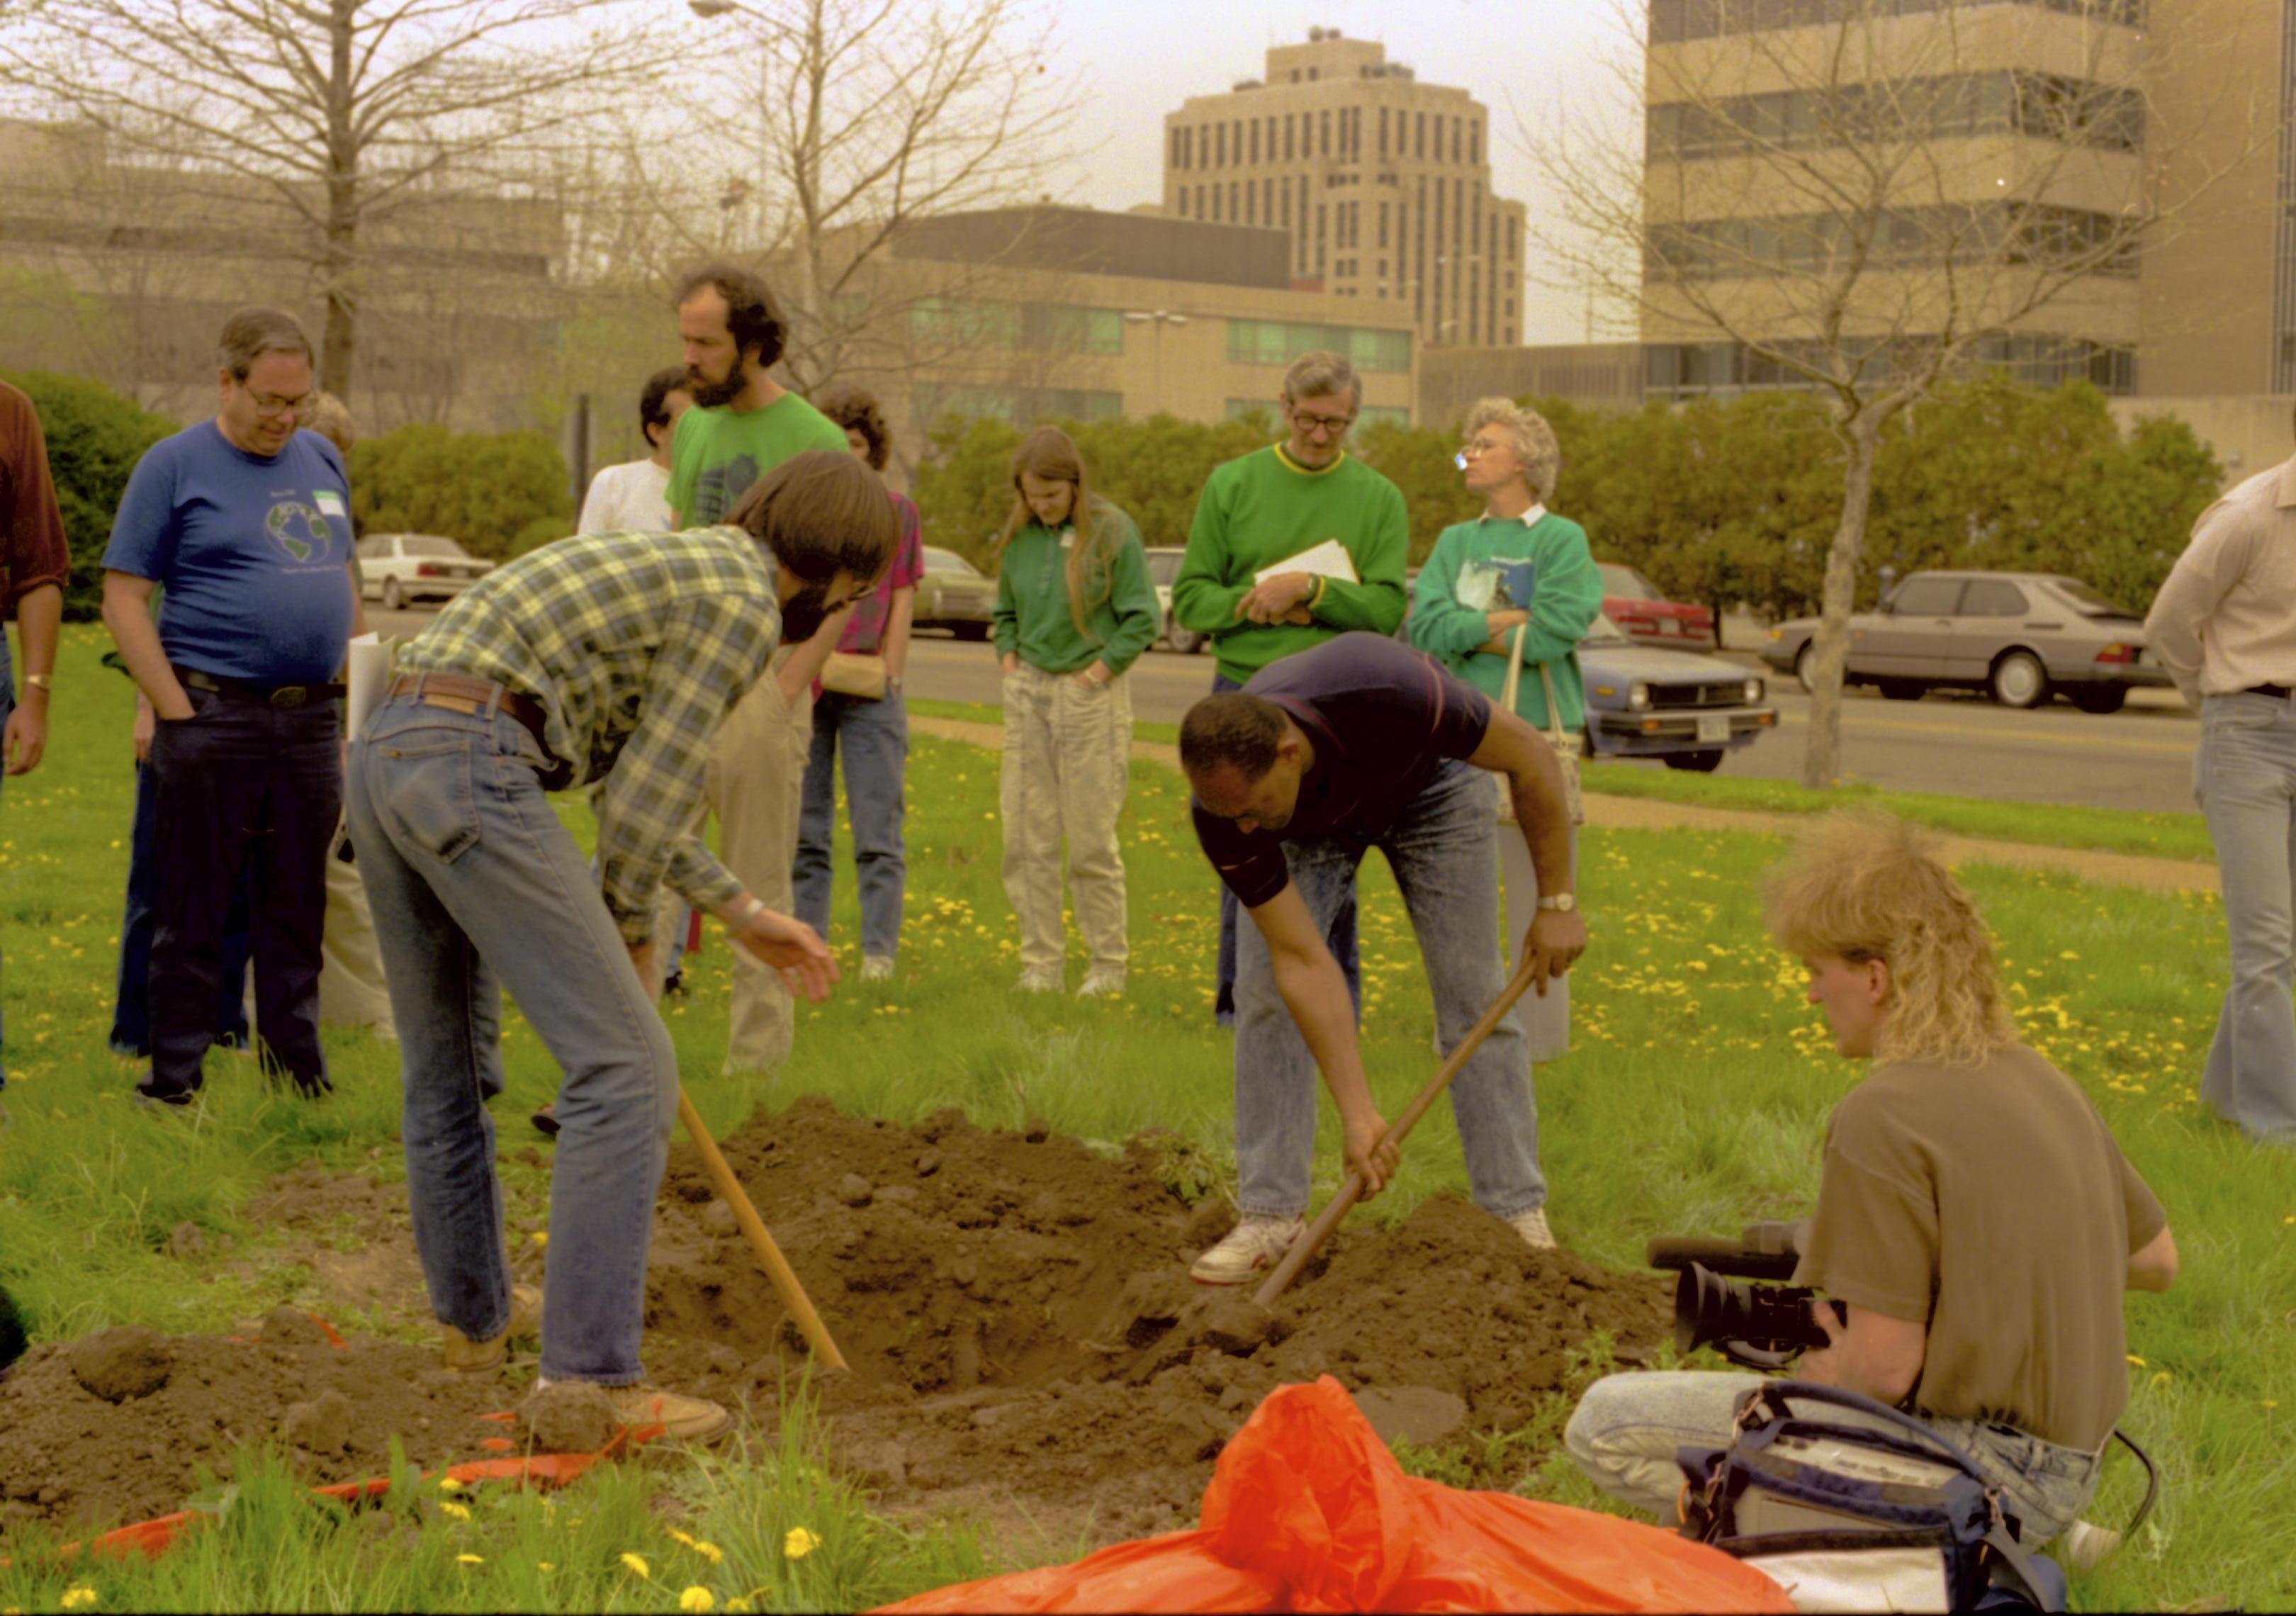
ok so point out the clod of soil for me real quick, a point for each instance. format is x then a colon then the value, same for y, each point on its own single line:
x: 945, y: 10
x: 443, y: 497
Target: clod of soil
x: 73, y: 1458
x: 571, y: 1416
x: 122, y: 1363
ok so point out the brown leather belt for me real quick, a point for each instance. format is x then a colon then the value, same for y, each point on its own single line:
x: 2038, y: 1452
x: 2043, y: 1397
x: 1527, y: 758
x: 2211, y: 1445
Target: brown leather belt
x: 459, y: 692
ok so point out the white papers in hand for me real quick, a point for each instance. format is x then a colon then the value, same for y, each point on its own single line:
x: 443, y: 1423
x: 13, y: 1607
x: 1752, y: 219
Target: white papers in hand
x: 1329, y: 559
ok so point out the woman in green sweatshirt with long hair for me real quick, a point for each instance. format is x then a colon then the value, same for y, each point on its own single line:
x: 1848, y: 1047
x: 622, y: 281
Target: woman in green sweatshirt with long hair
x: 1516, y: 571
x: 1075, y: 609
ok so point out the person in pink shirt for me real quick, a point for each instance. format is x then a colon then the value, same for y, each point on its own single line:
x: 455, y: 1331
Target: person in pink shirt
x: 857, y: 705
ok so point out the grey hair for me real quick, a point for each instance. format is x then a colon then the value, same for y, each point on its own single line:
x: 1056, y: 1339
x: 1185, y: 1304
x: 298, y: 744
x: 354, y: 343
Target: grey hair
x: 252, y: 333
x: 1534, y: 447
x: 1319, y: 372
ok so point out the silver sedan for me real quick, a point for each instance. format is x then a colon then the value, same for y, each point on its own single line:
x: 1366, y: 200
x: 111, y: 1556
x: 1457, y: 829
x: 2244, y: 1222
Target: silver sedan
x: 2020, y: 636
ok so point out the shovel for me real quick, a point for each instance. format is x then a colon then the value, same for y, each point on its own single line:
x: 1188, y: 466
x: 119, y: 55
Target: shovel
x: 1304, y: 1249
x: 753, y: 1229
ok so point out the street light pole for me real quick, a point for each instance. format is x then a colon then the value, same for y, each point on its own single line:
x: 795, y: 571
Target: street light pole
x: 1157, y: 319
x: 708, y: 10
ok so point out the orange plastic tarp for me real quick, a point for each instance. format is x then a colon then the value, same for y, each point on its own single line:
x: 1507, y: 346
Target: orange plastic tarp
x: 1308, y: 1511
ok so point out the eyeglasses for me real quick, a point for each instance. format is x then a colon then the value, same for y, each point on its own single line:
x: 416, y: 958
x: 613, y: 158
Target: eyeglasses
x: 1475, y: 451
x: 1307, y: 421
x: 270, y: 409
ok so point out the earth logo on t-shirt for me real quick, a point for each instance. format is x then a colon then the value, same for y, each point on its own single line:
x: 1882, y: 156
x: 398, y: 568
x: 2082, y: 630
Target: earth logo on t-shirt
x: 299, y: 530
x: 717, y: 489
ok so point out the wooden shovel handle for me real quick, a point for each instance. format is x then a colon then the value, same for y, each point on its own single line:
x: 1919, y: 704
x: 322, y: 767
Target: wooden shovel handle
x: 1304, y: 1249
x: 777, y: 1265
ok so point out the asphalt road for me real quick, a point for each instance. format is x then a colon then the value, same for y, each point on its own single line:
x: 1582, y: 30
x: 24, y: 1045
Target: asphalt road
x: 1963, y: 746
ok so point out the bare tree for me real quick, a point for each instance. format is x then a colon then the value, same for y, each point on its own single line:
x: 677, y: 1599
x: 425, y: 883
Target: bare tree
x: 1860, y: 203
x: 869, y: 117
x: 357, y: 134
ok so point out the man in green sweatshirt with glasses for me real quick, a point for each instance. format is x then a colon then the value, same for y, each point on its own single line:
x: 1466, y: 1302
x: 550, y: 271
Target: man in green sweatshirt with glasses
x: 1264, y: 510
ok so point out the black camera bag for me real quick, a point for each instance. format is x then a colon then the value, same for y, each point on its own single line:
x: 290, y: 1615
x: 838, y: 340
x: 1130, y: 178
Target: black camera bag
x: 1880, y: 1514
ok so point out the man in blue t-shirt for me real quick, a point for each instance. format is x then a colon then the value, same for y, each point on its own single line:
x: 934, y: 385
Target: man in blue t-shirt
x: 1356, y: 743
x: 245, y: 522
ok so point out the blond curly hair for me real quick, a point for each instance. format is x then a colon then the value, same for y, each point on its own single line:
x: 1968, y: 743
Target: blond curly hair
x: 1865, y: 885
x: 1536, y: 450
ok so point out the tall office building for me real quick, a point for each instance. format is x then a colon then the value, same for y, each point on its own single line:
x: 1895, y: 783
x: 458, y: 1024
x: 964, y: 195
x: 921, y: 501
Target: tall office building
x: 2027, y: 122
x: 1384, y: 183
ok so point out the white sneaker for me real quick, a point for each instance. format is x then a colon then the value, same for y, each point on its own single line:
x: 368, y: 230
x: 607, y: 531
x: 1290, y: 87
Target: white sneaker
x: 2085, y: 1546
x: 1532, y: 1226
x: 1257, y: 1241
x: 1039, y: 981
x: 876, y: 967
x: 1098, y: 983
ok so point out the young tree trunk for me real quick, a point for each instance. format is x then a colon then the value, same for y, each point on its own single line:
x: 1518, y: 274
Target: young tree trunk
x: 338, y: 264
x: 1821, y: 760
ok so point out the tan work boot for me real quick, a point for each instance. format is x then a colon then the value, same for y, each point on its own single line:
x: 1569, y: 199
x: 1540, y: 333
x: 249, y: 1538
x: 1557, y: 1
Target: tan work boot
x: 679, y: 1417
x: 471, y: 1356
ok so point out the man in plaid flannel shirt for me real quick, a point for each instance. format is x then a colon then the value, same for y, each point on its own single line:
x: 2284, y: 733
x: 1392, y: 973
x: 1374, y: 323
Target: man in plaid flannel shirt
x: 612, y: 657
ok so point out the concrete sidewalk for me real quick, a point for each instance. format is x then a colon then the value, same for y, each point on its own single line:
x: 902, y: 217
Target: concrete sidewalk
x: 1642, y: 814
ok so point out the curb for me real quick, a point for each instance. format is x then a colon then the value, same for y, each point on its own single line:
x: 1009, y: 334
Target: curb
x: 1642, y: 814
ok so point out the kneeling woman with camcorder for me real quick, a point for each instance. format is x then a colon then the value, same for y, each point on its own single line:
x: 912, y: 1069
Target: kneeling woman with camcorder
x: 1974, y: 1217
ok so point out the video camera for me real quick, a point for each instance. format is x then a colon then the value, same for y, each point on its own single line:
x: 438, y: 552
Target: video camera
x: 1762, y: 1326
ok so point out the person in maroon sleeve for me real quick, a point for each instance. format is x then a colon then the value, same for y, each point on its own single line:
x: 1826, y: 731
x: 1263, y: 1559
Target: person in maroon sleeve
x: 34, y: 563
x: 1356, y: 743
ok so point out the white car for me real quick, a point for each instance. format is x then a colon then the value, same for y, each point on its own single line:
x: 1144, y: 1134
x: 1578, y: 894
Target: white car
x: 396, y: 568
x: 1163, y: 567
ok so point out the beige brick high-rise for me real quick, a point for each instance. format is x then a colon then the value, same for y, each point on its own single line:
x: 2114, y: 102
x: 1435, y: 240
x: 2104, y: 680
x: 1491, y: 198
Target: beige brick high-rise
x: 1384, y: 183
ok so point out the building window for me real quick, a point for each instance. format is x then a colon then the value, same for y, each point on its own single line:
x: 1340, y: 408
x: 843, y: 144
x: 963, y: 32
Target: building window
x: 1672, y: 22
x: 1419, y: 121
x: 1383, y: 135
x: 1288, y: 118
x: 1323, y: 132
x: 1280, y: 341
x: 1382, y: 230
x: 1255, y: 140
x: 1251, y: 203
x: 1221, y: 160
x: 2044, y: 106
x: 1244, y: 409
x: 1017, y: 407
x: 1383, y: 415
x: 1475, y: 142
x: 1182, y: 204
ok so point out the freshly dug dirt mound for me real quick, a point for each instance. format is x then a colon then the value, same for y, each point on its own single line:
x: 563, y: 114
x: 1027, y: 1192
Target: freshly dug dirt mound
x: 1023, y: 1332
x: 1025, y: 1341
x: 74, y: 1453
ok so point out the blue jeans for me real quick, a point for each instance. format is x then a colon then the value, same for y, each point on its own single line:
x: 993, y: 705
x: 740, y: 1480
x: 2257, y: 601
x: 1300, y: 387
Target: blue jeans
x: 477, y: 886
x: 2244, y: 777
x: 131, y: 1013
x: 1627, y: 1428
x: 876, y: 739
x: 1442, y: 851
x: 1340, y: 936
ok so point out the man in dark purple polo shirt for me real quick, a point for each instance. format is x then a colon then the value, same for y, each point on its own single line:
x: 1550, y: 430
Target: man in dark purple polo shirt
x: 1357, y: 743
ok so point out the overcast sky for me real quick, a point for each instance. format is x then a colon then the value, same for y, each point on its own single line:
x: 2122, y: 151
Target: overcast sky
x: 1141, y: 58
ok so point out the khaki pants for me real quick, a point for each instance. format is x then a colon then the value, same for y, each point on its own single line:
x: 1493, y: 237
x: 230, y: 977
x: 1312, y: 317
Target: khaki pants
x: 352, y: 992
x: 1066, y: 752
x: 755, y: 781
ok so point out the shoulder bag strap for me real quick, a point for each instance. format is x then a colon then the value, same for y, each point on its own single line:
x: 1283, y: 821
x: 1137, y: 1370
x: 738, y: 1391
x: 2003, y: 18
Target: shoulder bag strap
x: 1514, y: 668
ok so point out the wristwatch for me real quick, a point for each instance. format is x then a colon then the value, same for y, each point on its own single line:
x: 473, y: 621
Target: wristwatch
x: 1562, y: 903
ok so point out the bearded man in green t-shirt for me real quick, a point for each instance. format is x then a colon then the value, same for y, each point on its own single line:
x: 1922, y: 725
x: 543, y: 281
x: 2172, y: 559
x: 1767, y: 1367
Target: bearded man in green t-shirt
x: 1975, y: 1219
x: 1263, y: 510
x: 743, y: 423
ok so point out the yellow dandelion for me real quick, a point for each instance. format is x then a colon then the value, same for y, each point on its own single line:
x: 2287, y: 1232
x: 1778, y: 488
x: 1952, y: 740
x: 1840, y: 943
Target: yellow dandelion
x: 2136, y: 1360
x: 798, y: 1543
x: 636, y: 1565
x: 540, y: 1237
x: 697, y: 1599
x: 79, y: 1597
x: 709, y: 1552
x: 678, y: 1537
x: 2160, y: 1379
x: 545, y: 1565
x: 738, y: 1605
x: 460, y: 1512
x: 470, y: 1559
x: 447, y: 1484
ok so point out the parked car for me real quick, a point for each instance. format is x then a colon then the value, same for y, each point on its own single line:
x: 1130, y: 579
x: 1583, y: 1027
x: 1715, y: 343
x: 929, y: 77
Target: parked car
x: 396, y: 568
x: 955, y: 594
x: 2021, y: 637
x: 1163, y: 567
x: 1634, y: 604
x: 1685, y: 709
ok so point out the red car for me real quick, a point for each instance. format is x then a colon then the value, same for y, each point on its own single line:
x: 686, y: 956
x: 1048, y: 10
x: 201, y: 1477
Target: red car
x: 1629, y: 602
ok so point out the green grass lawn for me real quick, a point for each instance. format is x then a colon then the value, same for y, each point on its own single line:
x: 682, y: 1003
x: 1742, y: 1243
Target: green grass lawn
x: 1693, y: 1102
